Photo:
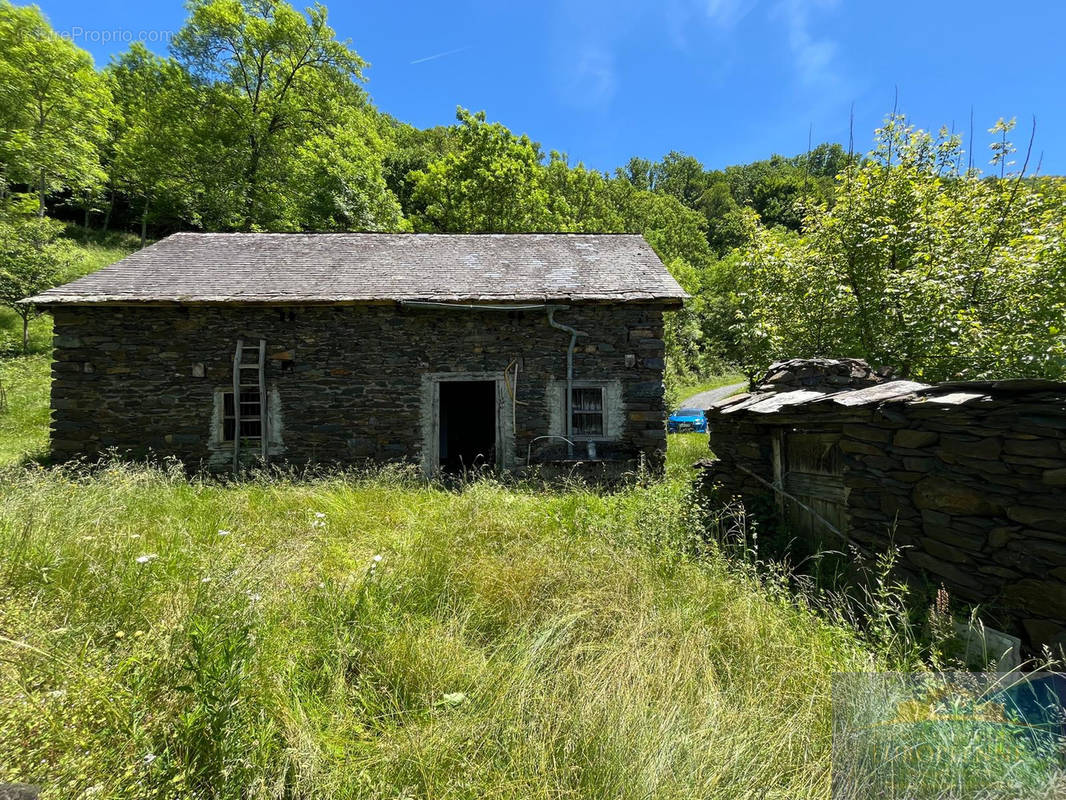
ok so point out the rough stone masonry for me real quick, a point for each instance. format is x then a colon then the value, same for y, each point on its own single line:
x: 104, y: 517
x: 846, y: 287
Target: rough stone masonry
x: 345, y: 383
x: 968, y: 478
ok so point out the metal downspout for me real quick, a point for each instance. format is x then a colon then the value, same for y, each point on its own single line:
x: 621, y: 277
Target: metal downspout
x: 569, y: 373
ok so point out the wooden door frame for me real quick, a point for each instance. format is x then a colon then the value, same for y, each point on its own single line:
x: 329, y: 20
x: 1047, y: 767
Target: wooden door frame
x: 505, y: 445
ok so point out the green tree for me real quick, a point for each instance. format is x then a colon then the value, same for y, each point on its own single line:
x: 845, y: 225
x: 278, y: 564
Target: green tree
x: 338, y: 179
x: 680, y: 176
x: 490, y: 181
x: 581, y: 199
x: 410, y: 152
x: 940, y: 274
x: 152, y: 159
x: 826, y: 160
x: 54, y: 107
x: 32, y: 258
x: 639, y: 172
x: 725, y: 218
x: 280, y: 88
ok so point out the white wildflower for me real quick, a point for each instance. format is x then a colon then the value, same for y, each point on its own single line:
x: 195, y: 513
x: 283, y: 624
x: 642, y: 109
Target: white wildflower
x: 223, y: 533
x: 377, y: 558
x: 320, y: 515
x: 146, y: 558
x: 149, y: 758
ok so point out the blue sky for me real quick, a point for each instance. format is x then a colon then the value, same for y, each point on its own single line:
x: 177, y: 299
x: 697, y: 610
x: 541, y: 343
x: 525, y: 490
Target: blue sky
x: 728, y: 81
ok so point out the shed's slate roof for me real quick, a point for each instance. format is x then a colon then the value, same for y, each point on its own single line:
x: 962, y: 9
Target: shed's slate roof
x: 898, y: 391
x: 375, y: 267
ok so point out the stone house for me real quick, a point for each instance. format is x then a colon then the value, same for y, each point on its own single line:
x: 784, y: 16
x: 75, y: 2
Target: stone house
x: 448, y: 350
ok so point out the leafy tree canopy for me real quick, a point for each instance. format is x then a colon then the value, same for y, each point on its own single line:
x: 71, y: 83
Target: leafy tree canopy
x: 918, y: 266
x: 54, y: 107
x: 284, y: 109
x: 260, y: 121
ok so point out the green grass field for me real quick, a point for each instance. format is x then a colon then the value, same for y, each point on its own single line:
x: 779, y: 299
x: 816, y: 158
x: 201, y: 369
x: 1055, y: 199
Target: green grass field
x: 373, y: 636
x: 24, y: 422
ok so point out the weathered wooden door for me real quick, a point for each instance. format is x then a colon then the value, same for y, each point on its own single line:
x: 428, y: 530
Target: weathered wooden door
x: 811, y: 471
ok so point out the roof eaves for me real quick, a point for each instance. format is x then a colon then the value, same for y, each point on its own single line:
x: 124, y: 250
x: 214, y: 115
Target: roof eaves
x: 46, y: 299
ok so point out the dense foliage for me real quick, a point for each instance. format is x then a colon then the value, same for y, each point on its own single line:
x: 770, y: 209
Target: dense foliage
x: 259, y: 120
x: 937, y: 273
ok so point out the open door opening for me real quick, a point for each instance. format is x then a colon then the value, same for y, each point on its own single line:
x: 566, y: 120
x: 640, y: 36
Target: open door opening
x: 467, y: 424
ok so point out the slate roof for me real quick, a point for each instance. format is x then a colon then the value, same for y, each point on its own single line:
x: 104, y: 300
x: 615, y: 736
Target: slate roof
x: 953, y: 393
x: 374, y: 267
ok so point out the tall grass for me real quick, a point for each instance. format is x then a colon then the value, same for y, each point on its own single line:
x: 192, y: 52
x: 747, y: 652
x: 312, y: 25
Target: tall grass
x: 376, y: 637
x: 24, y: 420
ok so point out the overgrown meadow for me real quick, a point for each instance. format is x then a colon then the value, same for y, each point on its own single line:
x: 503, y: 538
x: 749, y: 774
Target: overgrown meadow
x: 373, y: 636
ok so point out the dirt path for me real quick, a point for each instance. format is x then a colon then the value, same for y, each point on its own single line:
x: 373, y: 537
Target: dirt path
x: 706, y: 399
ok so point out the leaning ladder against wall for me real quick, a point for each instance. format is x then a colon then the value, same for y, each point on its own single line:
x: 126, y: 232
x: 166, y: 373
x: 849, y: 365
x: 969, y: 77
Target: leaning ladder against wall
x: 239, y: 366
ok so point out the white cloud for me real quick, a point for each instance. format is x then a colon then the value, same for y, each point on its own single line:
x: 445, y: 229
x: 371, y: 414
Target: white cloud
x: 726, y: 14
x: 813, y: 55
x: 688, y: 19
x: 593, y: 79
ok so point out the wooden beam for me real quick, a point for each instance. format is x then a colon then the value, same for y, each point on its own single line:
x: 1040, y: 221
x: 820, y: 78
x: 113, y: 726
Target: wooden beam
x: 237, y: 357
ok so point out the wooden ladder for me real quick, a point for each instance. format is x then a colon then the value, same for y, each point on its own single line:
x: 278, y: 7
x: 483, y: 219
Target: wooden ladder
x: 239, y: 366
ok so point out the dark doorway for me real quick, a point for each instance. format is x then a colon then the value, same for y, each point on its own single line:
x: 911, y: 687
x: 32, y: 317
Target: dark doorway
x: 467, y: 424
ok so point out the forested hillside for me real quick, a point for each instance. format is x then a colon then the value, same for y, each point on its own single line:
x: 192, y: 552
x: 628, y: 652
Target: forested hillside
x: 259, y: 120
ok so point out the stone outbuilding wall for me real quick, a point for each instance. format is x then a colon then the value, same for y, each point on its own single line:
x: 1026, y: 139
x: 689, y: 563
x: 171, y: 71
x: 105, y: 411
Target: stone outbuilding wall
x: 348, y: 384
x: 968, y: 478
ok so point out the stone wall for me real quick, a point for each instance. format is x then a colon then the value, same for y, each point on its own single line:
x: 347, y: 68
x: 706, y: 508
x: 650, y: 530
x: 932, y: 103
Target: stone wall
x: 347, y: 383
x: 970, y: 479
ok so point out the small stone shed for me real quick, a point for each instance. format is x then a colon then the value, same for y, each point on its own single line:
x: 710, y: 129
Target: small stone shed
x: 969, y: 478
x: 452, y: 351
